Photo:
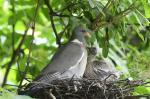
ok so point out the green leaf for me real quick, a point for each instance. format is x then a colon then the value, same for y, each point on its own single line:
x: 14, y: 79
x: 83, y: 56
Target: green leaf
x: 138, y: 32
x: 105, y: 49
x: 103, y: 43
x: 12, y: 20
x: 100, y: 39
x: 92, y: 3
x: 141, y: 36
x: 146, y: 8
x: 88, y: 15
x: 141, y: 90
x: 5, y: 94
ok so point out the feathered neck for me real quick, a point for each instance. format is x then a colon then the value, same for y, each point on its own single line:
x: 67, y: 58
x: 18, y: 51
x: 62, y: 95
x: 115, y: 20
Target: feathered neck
x: 78, y: 34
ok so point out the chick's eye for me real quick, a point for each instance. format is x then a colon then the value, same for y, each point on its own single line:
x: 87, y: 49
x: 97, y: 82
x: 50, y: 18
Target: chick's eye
x: 94, y: 51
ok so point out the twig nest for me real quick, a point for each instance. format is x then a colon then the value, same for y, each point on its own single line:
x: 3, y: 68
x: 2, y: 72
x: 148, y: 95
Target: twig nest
x: 84, y: 89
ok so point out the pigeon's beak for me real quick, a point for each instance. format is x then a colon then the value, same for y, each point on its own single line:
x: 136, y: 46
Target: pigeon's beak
x: 87, y: 34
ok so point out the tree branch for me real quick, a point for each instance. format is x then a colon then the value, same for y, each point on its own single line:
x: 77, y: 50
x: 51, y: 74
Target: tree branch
x: 30, y: 46
x: 99, y: 22
x: 13, y: 58
x: 51, y: 13
x: 16, y: 53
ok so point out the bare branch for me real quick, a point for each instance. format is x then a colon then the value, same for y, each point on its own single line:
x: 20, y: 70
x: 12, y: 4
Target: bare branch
x: 16, y: 52
x: 30, y: 46
x: 51, y: 12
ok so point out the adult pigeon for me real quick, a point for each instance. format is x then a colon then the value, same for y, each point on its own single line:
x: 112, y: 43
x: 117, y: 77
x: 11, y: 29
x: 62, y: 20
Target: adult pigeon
x: 69, y: 61
x: 99, y: 69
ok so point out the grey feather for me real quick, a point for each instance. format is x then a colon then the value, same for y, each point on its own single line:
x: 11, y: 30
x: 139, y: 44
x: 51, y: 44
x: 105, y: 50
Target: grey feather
x: 99, y: 69
x: 68, y: 61
x: 64, y: 58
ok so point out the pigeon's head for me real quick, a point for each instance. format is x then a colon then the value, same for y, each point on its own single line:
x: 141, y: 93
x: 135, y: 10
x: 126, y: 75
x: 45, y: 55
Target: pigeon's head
x: 79, y: 33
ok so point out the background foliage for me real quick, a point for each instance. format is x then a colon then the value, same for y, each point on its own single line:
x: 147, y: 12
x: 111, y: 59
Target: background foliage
x: 120, y: 30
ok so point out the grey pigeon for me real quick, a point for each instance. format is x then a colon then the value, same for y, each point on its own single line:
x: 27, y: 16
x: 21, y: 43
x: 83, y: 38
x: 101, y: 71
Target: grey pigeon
x: 69, y: 61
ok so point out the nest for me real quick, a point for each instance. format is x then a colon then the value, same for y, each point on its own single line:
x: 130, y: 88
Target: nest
x: 85, y: 89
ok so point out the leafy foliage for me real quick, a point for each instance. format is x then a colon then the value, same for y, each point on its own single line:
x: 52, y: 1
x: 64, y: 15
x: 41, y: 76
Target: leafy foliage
x: 119, y: 28
x: 5, y: 94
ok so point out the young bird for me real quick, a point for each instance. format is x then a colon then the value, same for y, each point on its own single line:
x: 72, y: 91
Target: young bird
x: 99, y: 69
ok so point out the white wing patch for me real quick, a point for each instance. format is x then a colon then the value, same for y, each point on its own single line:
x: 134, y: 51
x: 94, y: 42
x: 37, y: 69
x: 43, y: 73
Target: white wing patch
x: 77, y: 64
x: 77, y: 41
x: 76, y: 69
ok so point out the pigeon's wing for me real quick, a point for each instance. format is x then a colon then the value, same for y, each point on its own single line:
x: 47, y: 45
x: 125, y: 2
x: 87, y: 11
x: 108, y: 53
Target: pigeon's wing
x: 66, y: 57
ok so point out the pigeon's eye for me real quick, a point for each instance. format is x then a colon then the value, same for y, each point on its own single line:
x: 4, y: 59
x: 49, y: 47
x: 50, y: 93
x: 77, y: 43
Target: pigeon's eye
x: 83, y: 31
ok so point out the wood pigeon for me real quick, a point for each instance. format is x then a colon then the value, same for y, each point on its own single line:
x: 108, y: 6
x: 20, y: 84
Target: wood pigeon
x: 69, y: 61
x: 99, y: 69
